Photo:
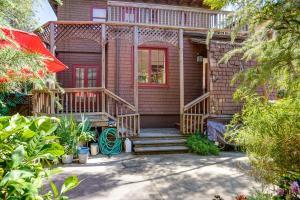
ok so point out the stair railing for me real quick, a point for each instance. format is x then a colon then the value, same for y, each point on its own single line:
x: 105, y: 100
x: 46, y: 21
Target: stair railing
x: 127, y: 119
x: 87, y: 101
x: 195, y: 113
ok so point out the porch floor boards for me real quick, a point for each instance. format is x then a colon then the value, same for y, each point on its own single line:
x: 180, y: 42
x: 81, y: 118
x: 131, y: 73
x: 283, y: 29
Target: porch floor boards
x: 96, y: 119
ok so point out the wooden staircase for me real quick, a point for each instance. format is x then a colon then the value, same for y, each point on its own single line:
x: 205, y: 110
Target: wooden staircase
x: 158, y: 141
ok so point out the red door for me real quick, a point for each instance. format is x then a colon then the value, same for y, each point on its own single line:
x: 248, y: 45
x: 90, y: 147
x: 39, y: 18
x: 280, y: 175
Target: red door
x: 87, y: 76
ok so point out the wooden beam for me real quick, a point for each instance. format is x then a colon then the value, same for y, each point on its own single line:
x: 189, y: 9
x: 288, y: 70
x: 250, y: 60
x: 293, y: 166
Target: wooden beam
x: 181, y: 77
x: 204, y: 77
x: 191, y: 29
x: 103, y: 65
x: 52, y: 38
x: 136, y: 66
x: 52, y: 50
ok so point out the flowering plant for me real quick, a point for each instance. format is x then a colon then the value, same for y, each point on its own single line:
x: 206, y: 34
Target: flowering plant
x: 289, y: 187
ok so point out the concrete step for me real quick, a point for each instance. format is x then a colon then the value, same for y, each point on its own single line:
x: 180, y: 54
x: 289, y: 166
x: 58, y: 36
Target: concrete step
x: 159, y: 142
x: 160, y: 149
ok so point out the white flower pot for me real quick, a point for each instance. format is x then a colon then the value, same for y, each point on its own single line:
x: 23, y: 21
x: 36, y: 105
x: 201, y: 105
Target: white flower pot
x: 83, y: 158
x: 94, y: 149
x: 67, y: 159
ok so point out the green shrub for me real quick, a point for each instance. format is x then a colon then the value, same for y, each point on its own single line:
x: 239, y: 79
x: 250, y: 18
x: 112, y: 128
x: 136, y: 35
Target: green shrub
x: 260, y: 196
x: 28, y: 148
x: 70, y: 133
x: 201, y: 145
x: 270, y: 134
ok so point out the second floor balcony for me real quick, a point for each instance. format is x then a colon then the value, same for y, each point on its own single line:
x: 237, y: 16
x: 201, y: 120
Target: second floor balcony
x: 165, y: 15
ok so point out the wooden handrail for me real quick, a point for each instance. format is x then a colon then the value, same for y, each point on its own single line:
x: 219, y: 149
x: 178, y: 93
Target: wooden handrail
x: 196, y: 101
x: 67, y: 96
x: 117, y: 98
x: 143, y: 25
x: 88, y: 89
x: 162, y: 6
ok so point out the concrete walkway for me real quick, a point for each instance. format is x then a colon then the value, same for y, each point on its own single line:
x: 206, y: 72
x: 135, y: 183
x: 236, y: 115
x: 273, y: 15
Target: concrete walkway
x: 179, y: 176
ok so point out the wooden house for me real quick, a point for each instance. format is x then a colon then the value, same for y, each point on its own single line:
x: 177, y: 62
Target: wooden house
x: 140, y: 64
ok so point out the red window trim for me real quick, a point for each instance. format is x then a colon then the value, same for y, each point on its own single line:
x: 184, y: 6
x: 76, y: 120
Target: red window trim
x: 154, y: 85
x: 86, y: 67
x: 100, y: 7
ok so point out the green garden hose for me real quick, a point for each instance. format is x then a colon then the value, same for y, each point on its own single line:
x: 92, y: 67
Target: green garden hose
x: 110, y: 142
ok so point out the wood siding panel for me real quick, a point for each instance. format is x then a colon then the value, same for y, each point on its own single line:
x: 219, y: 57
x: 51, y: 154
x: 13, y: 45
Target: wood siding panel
x: 78, y: 10
x: 157, y: 100
x: 66, y: 78
x: 220, y: 79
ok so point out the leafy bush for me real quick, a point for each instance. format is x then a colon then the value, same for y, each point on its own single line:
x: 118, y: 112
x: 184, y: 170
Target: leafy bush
x: 67, y: 133
x: 9, y: 101
x: 70, y: 133
x: 270, y: 134
x: 260, y: 196
x: 288, y: 187
x: 28, y: 148
x: 201, y: 145
x: 85, y: 129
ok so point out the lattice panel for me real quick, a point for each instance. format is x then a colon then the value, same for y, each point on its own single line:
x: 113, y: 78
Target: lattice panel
x: 158, y: 35
x: 45, y: 34
x: 124, y: 32
x: 83, y: 31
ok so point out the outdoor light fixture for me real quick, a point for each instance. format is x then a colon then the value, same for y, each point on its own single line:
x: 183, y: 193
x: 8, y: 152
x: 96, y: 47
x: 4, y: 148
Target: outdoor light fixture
x: 199, y: 58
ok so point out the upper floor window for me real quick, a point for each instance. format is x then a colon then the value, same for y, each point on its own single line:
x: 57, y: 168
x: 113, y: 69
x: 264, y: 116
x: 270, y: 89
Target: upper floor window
x: 99, y: 14
x: 152, y: 66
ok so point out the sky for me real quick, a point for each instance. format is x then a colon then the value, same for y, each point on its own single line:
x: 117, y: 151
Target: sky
x: 44, y: 12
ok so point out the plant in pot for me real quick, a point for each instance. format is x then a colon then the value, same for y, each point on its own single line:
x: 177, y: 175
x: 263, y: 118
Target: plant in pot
x: 85, y: 135
x: 85, y: 132
x: 68, y: 137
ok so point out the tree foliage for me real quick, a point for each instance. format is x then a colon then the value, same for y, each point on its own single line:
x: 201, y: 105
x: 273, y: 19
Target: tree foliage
x: 19, y: 68
x: 269, y: 131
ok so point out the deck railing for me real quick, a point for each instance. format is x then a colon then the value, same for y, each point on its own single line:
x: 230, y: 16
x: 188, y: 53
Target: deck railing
x: 195, y: 113
x: 165, y: 15
x: 97, y: 100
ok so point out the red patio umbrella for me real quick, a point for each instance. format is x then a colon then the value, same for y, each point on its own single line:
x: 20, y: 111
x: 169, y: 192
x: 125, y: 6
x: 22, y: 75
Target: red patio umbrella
x: 32, y: 43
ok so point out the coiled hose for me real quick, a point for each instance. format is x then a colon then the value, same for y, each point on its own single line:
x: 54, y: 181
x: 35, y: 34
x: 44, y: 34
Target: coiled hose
x: 110, y: 142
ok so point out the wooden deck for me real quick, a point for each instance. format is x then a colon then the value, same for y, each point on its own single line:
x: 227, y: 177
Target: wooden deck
x: 102, y: 107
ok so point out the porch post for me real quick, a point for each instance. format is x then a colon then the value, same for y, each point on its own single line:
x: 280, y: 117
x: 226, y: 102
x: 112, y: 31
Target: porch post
x: 52, y: 50
x: 103, y: 70
x: 181, y: 78
x: 136, y: 65
x: 52, y: 38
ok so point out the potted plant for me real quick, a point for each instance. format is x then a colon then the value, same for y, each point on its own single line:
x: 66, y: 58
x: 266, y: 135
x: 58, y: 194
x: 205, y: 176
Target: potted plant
x: 85, y: 132
x: 67, y: 133
x: 87, y: 135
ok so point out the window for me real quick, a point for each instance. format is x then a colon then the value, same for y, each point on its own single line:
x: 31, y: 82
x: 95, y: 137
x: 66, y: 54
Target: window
x: 152, y: 66
x: 86, y: 76
x: 99, y: 14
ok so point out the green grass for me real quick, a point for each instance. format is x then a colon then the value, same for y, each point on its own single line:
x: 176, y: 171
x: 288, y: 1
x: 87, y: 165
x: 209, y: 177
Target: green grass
x: 201, y: 145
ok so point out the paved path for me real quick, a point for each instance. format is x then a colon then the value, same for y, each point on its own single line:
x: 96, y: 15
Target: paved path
x: 179, y: 176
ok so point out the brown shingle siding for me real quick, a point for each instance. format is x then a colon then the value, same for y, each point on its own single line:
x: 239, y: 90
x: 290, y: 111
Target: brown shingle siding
x: 221, y: 75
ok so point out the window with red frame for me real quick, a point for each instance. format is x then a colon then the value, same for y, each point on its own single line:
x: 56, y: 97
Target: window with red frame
x: 99, y: 14
x: 86, y: 76
x: 152, y: 66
